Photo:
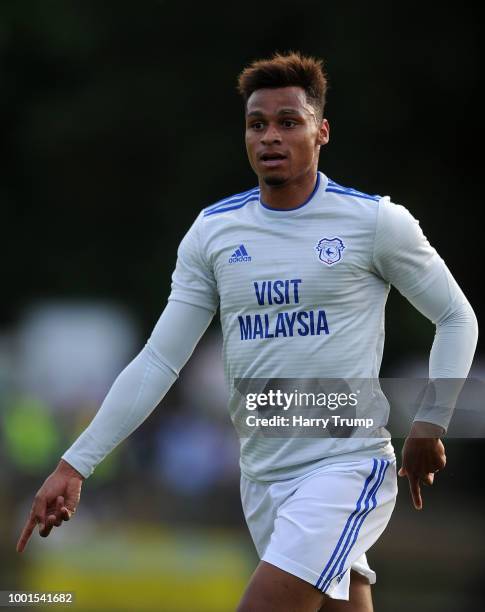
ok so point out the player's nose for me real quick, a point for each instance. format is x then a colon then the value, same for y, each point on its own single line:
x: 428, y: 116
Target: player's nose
x: 271, y: 136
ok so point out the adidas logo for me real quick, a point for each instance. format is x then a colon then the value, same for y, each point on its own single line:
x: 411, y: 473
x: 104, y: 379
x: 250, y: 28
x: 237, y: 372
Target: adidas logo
x: 240, y: 255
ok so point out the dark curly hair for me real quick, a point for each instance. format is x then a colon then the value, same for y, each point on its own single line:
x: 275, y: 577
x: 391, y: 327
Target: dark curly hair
x: 291, y: 69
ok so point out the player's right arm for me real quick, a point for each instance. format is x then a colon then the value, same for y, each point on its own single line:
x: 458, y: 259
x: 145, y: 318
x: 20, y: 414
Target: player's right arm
x: 56, y: 501
x: 137, y: 390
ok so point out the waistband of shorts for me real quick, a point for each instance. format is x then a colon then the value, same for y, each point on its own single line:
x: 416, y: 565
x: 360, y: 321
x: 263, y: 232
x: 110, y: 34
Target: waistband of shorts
x: 386, y: 452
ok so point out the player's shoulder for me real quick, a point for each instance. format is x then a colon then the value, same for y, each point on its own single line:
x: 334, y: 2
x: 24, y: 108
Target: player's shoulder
x: 381, y: 209
x: 392, y: 214
x: 350, y: 194
x: 230, y: 204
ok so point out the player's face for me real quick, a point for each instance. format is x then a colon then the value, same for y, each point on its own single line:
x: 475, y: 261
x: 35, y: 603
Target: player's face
x: 283, y: 135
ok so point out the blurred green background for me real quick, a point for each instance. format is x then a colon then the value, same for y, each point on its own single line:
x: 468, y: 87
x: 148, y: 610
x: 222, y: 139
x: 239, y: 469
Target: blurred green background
x: 119, y: 121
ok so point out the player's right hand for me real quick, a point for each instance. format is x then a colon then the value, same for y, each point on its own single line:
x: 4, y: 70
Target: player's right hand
x: 56, y: 501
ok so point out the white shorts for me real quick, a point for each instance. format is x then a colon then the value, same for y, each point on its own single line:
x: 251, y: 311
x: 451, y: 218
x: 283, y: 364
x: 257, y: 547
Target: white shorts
x: 319, y: 526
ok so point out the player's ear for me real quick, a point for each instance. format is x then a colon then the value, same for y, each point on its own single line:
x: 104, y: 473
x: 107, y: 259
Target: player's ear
x: 323, y: 133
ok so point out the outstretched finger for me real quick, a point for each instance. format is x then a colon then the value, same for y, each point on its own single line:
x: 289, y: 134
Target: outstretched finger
x: 26, y: 533
x: 415, y: 489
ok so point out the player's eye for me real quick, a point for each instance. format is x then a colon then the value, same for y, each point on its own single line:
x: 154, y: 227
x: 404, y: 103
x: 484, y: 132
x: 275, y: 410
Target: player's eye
x: 289, y: 123
x: 257, y: 125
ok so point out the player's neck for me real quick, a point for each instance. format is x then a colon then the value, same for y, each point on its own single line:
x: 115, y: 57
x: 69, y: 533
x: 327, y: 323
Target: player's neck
x: 288, y: 195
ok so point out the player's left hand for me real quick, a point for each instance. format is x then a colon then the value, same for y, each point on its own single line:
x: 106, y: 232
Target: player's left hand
x: 423, y: 455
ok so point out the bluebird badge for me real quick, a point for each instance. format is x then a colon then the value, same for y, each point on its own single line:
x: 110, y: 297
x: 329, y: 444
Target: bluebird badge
x: 330, y: 250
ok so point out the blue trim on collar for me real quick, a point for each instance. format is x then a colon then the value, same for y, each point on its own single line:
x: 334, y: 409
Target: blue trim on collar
x: 307, y: 201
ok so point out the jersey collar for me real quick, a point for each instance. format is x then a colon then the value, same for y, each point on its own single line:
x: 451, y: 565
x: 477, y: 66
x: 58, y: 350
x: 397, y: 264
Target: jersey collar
x: 320, y: 186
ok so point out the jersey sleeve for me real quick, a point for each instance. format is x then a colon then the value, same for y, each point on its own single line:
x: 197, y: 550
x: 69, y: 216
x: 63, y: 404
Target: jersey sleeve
x: 402, y: 254
x: 193, y: 280
x: 141, y: 385
x: 404, y: 258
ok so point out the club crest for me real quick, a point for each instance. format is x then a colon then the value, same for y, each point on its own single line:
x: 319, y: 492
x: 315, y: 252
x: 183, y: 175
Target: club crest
x: 330, y: 250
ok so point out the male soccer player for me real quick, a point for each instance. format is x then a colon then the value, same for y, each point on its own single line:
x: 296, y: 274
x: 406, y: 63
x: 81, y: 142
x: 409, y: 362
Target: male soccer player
x: 301, y: 268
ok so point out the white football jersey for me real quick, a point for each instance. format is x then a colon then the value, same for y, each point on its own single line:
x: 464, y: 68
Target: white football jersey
x: 302, y: 294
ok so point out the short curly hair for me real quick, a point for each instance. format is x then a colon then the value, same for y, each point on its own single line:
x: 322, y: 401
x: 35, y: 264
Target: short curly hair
x: 286, y: 70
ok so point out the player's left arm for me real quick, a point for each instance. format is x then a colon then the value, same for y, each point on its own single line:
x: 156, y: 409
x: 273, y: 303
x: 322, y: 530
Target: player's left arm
x: 404, y: 258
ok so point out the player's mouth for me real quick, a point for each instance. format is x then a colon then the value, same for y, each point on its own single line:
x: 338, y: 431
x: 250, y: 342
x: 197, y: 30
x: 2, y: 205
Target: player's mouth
x: 272, y: 160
